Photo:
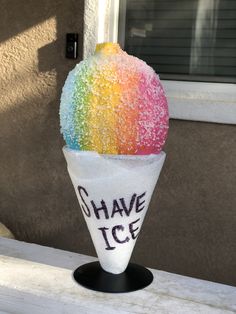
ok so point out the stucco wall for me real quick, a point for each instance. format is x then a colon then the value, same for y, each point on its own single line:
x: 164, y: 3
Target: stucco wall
x: 190, y: 226
x: 36, y: 201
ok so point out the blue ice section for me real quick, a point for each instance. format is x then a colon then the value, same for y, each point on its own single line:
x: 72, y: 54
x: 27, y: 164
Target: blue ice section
x: 67, y: 109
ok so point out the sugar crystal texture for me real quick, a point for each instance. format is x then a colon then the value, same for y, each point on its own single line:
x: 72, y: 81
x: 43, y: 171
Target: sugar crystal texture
x: 114, y: 103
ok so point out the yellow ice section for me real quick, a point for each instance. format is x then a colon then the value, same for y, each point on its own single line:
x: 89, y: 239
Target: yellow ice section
x: 108, y: 48
x: 103, y: 105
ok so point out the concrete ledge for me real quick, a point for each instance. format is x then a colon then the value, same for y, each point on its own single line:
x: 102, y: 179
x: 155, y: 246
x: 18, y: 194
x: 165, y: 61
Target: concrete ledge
x: 36, y: 279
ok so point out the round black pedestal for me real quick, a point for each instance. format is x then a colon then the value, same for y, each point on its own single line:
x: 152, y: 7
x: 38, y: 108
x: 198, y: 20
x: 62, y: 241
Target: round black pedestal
x: 93, y: 277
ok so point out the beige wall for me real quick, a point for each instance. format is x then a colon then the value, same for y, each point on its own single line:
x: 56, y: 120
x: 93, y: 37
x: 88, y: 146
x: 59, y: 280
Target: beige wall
x: 190, y: 227
x: 36, y: 201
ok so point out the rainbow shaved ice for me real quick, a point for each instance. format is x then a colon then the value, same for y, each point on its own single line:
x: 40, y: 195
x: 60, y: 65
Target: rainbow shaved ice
x: 114, y: 119
x: 114, y: 103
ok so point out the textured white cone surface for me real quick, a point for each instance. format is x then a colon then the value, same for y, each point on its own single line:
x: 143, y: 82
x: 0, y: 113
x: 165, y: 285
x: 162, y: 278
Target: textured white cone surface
x: 114, y: 192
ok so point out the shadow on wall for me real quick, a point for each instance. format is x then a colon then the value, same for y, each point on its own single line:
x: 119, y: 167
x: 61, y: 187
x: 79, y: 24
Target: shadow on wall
x: 37, y: 201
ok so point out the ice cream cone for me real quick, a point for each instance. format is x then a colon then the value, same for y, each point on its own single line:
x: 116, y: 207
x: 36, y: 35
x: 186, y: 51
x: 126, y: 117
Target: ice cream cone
x: 114, y: 192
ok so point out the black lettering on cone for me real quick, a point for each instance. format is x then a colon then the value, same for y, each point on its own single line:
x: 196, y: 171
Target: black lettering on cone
x: 97, y: 209
x: 116, y: 209
x: 139, y: 204
x: 105, y: 238
x: 114, y: 233
x: 84, y: 205
x: 126, y: 210
x: 132, y: 231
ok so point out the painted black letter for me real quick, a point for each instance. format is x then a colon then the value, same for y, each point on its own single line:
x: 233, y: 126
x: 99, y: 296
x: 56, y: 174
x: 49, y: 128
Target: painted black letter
x: 126, y: 210
x: 138, y: 203
x: 103, y: 208
x: 118, y: 228
x: 132, y: 231
x: 116, y: 209
x: 83, y: 205
x: 105, y: 238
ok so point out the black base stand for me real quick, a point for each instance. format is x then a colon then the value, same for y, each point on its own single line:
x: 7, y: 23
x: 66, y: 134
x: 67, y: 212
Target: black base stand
x: 93, y: 277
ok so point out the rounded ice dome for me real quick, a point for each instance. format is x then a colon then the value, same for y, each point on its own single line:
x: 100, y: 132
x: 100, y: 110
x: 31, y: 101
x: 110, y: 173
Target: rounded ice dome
x: 114, y: 103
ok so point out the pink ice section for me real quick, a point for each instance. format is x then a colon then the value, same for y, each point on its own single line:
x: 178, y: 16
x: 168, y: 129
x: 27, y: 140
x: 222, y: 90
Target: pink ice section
x: 154, y: 116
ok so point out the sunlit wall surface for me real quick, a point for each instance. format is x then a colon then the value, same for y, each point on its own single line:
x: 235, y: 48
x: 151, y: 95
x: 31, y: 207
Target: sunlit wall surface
x: 33, y: 179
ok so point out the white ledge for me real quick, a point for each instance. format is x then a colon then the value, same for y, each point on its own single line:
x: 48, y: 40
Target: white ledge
x: 36, y: 279
x: 201, y: 101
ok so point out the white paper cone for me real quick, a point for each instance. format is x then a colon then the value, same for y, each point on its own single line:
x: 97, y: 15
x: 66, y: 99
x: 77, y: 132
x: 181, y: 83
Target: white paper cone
x: 114, y: 192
